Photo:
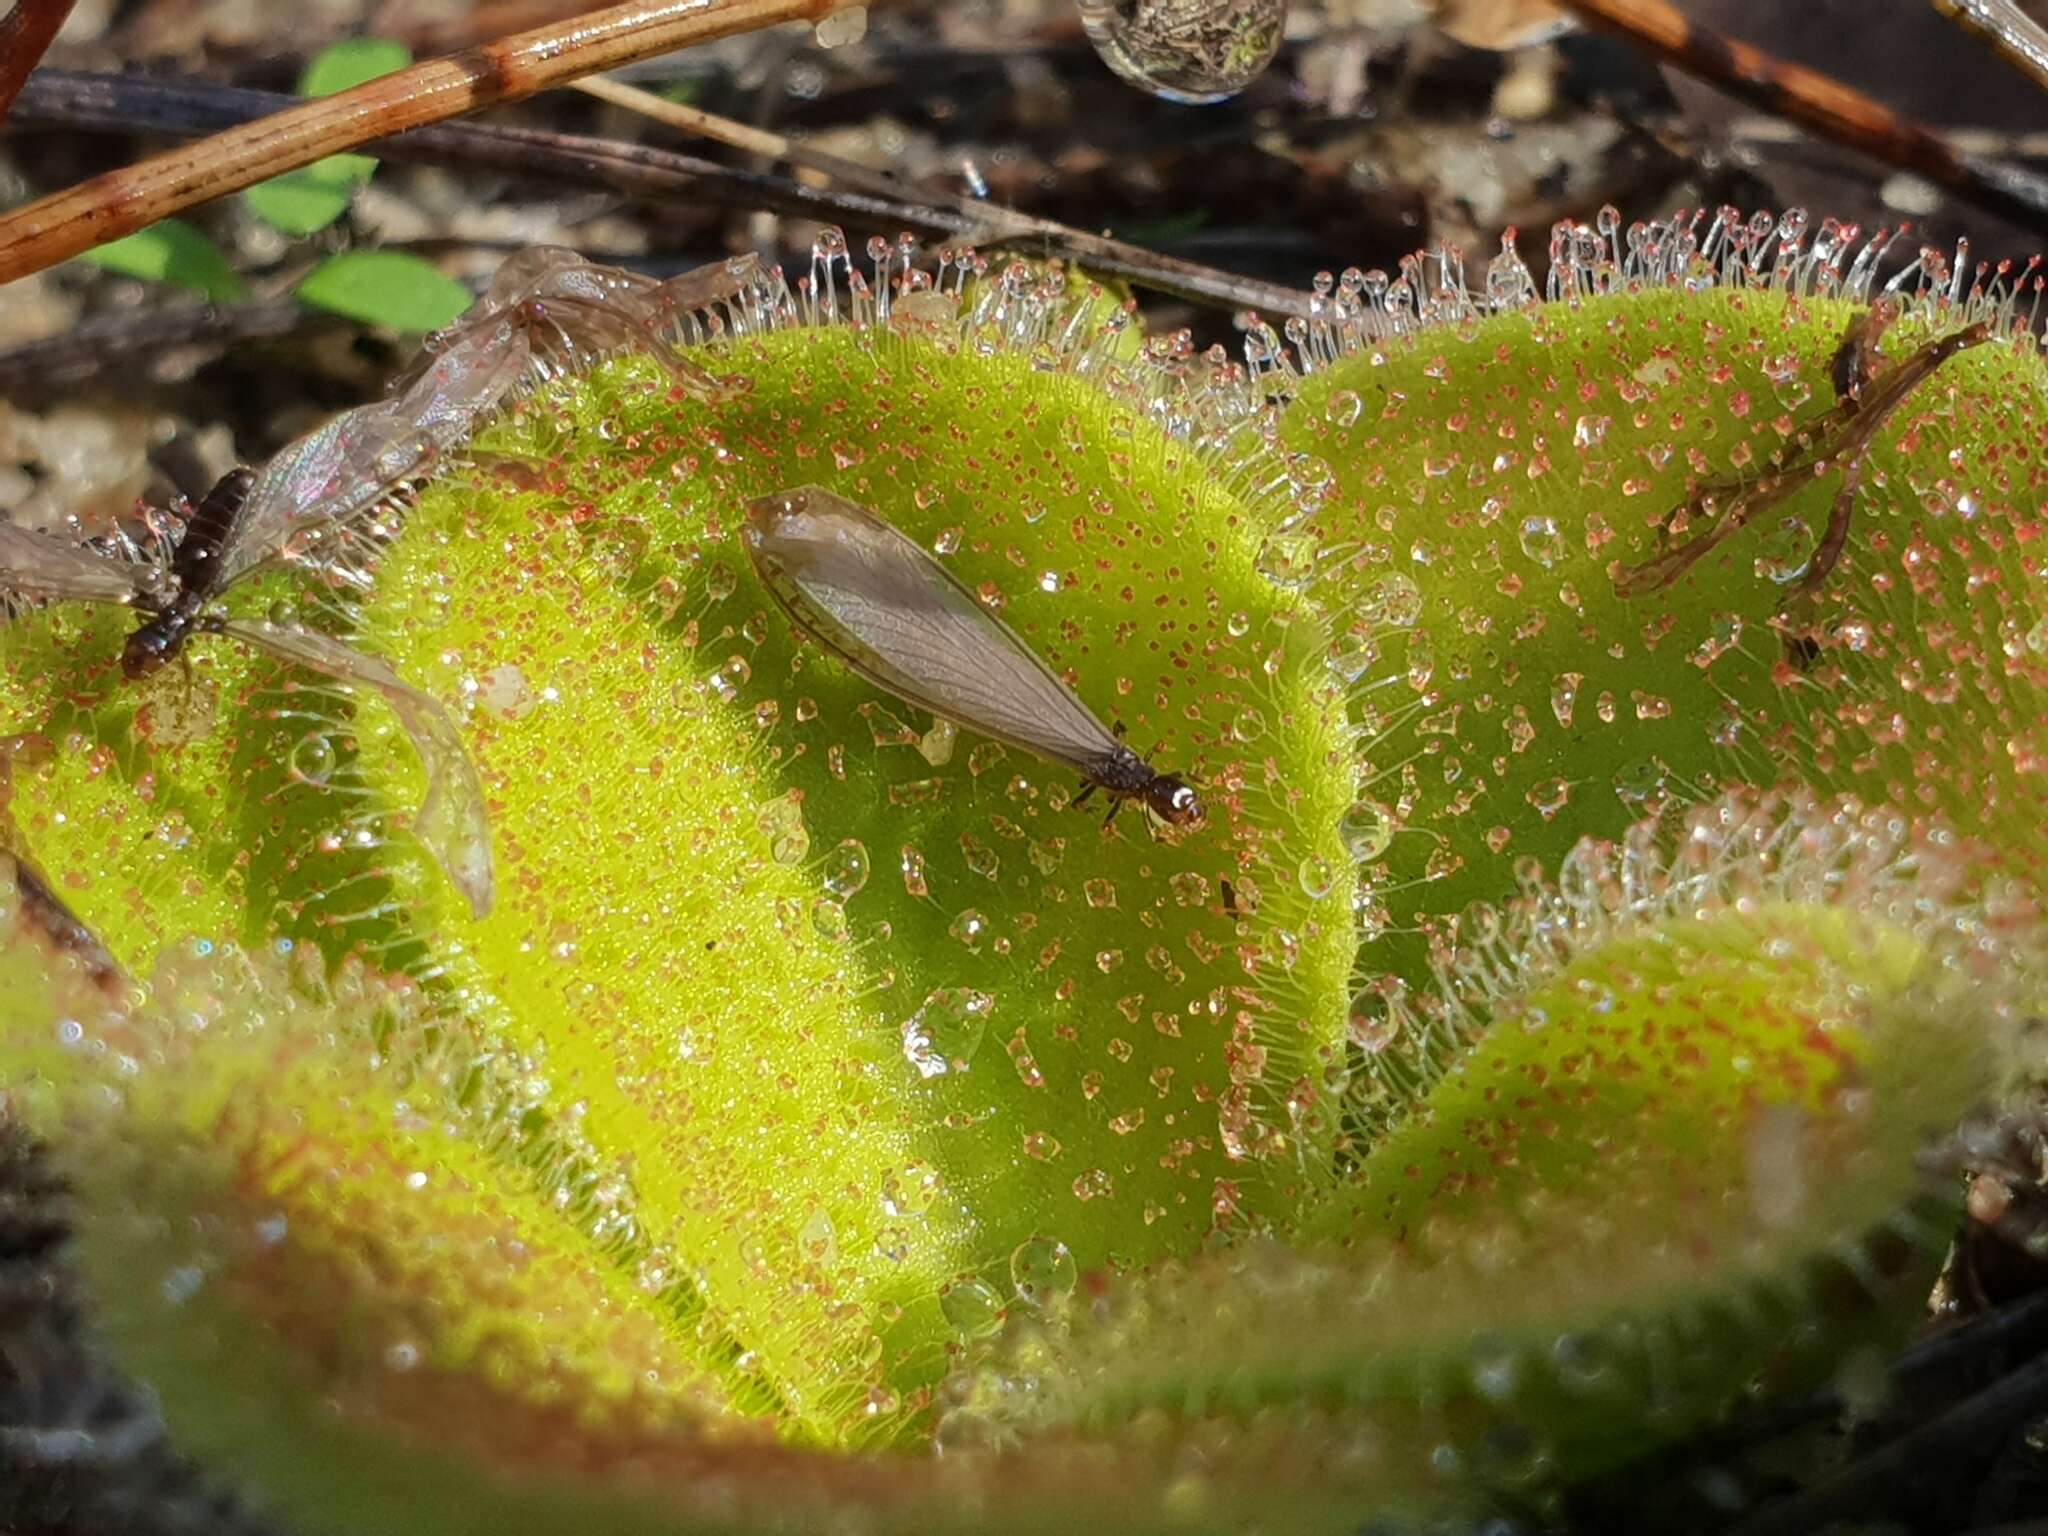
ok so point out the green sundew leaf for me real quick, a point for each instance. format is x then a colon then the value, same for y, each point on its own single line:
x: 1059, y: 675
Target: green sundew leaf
x: 350, y: 62
x: 390, y: 288
x: 172, y: 251
x: 1488, y: 481
x: 735, y: 882
x: 1684, y: 1160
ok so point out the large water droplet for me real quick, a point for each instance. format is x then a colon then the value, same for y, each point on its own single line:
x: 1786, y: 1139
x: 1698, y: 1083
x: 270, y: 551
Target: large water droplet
x: 781, y: 821
x: 313, y: 758
x: 1042, y: 1270
x: 1186, y: 50
x: 1288, y: 559
x: 971, y: 1308
x: 1367, y: 829
x: 846, y: 869
x: 1541, y: 540
x: 970, y: 928
x: 1391, y: 602
x: 946, y: 1031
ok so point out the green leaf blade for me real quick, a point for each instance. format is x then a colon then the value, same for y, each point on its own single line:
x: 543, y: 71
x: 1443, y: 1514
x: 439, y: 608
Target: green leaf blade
x: 172, y: 252
x: 385, y: 288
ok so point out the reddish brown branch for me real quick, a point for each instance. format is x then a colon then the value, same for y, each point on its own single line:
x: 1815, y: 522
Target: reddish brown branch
x: 59, y: 226
x: 1819, y: 102
x: 26, y: 33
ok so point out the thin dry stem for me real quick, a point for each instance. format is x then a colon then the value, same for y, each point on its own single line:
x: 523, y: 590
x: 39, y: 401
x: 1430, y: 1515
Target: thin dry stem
x: 1821, y: 103
x: 985, y: 224
x: 107, y: 207
x: 26, y: 33
x: 2013, y: 35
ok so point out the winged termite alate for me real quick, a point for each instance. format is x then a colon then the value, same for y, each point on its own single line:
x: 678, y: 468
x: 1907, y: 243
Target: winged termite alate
x: 218, y: 546
x: 878, y: 601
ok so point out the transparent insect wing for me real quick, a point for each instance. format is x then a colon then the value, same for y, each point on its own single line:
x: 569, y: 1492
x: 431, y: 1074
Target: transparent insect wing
x: 453, y: 823
x: 890, y: 611
x: 469, y: 379
x: 45, y: 569
x: 716, y: 282
x: 321, y: 484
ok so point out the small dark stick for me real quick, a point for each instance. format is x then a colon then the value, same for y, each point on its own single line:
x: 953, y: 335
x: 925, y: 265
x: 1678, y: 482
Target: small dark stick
x: 879, y: 602
x: 1866, y: 399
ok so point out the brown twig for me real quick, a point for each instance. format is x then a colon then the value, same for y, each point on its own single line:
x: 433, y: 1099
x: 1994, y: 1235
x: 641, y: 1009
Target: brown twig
x: 1821, y: 103
x: 141, y: 104
x: 137, y: 103
x: 121, y: 202
x: 127, y: 342
x: 26, y: 33
x: 2013, y: 35
x: 983, y: 224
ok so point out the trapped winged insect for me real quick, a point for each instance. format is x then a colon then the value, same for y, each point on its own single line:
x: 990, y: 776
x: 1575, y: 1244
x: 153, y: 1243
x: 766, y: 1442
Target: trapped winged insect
x: 878, y: 601
x: 221, y: 543
x: 319, y: 499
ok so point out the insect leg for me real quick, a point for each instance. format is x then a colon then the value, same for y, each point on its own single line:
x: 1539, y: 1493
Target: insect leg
x: 1088, y: 787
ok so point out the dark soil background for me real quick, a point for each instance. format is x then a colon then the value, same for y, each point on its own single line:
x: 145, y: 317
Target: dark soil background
x: 1373, y: 134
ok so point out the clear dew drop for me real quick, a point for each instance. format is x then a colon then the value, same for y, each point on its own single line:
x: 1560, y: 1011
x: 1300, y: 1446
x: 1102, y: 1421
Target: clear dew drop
x: 1541, y: 540
x: 972, y: 1308
x: 846, y: 869
x: 313, y: 758
x: 913, y: 873
x: 1550, y: 796
x: 970, y: 928
x: 828, y: 919
x: 727, y: 680
x: 1316, y: 876
x: 911, y: 1190
x: 1042, y: 1271
x: 2037, y: 638
x: 1393, y: 601
x: 1186, y: 50
x: 817, y: 1240
x: 1367, y: 828
x: 1094, y: 1184
x: 1342, y: 408
x: 946, y: 1031
x: 1288, y: 560
x: 781, y: 821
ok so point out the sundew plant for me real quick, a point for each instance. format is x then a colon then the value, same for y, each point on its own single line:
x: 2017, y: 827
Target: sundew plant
x: 1618, y: 715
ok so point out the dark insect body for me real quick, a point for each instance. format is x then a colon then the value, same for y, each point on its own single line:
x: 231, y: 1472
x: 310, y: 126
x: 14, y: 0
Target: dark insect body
x: 228, y: 537
x: 197, y: 570
x: 1867, y: 396
x: 878, y: 601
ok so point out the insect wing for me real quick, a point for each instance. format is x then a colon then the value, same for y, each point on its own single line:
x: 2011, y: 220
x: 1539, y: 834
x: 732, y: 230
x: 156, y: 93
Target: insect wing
x: 892, y: 613
x: 452, y: 822
x: 34, y: 565
x: 316, y: 487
